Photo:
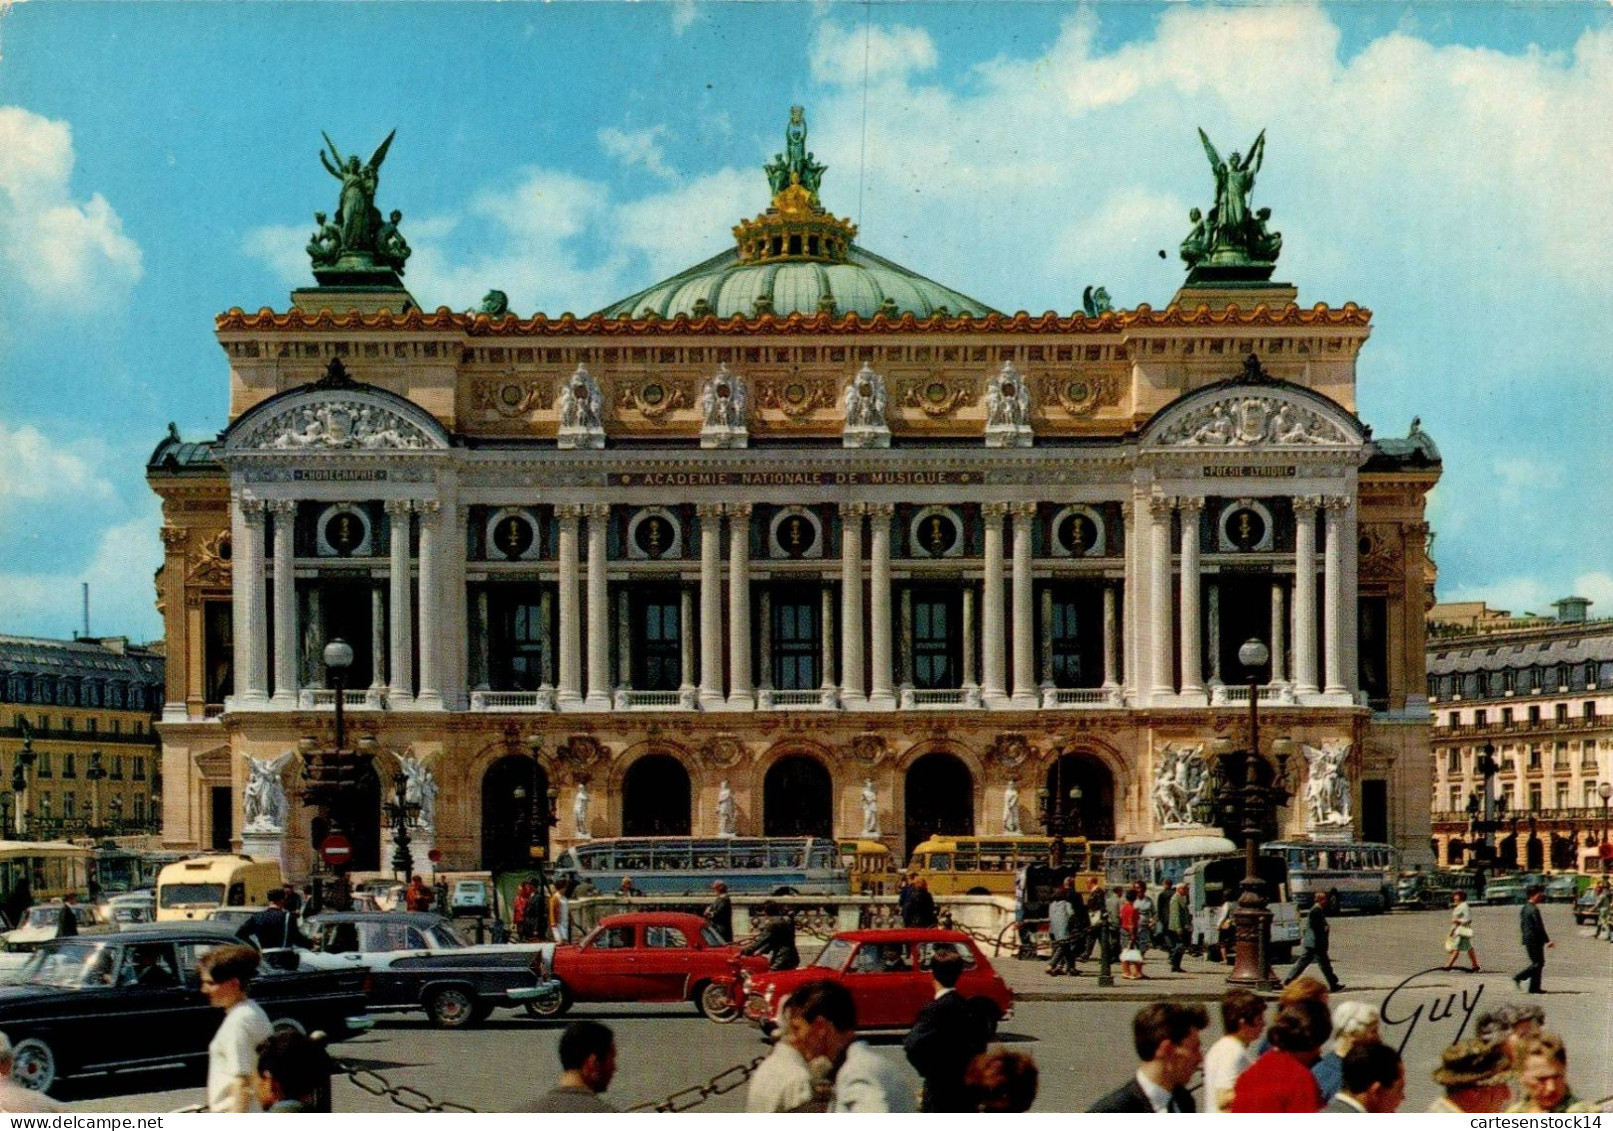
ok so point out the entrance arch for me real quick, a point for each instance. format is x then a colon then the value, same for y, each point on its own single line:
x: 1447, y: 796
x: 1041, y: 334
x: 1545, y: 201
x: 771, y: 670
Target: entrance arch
x: 798, y: 798
x: 1564, y: 853
x: 1534, y: 852
x: 657, y: 798
x: 938, y: 797
x: 1096, y: 805
x: 514, y: 792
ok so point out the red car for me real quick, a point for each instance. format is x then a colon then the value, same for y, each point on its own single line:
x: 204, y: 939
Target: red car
x: 650, y: 956
x: 887, y: 973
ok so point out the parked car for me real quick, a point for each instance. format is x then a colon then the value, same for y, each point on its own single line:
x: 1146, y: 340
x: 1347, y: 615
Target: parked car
x: 418, y: 961
x: 1434, y: 888
x: 231, y: 917
x: 44, y: 920
x: 387, y: 895
x: 136, y: 909
x: 1510, y: 888
x: 651, y: 956
x: 888, y: 974
x: 471, y: 898
x: 1585, y: 907
x: 1565, y: 887
x: 133, y: 1000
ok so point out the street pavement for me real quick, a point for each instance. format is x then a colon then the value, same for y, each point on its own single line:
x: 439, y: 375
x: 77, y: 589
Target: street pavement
x: 1078, y: 1034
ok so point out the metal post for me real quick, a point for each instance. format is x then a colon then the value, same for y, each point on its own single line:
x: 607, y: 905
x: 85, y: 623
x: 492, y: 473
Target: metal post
x: 1254, y: 802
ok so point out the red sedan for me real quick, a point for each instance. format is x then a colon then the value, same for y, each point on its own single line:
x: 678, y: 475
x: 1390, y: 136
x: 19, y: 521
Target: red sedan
x: 888, y: 974
x: 651, y: 956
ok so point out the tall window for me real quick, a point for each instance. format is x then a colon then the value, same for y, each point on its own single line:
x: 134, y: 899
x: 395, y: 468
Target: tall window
x: 139, y: 807
x: 657, y: 640
x: 1562, y: 712
x: 937, y: 638
x: 1453, y: 760
x: 797, y: 642
x: 1534, y: 796
x: 69, y: 765
x: 69, y: 805
x: 1456, y: 799
x: 1562, y: 795
x: 517, y: 639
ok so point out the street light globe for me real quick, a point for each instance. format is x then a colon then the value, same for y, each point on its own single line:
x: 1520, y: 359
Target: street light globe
x: 338, y: 655
x: 1605, y: 790
x: 1253, y: 654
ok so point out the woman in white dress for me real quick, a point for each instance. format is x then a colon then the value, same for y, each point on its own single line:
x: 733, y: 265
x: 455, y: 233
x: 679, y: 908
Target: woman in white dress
x: 1460, y: 939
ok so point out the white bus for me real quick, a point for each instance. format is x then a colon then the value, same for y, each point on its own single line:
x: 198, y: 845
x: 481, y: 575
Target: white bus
x: 1362, y: 873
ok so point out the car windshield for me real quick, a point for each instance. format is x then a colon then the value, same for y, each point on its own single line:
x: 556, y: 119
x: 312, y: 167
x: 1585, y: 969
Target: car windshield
x: 192, y: 895
x: 444, y: 937
x: 68, y: 965
x: 44, y: 915
x: 834, y: 955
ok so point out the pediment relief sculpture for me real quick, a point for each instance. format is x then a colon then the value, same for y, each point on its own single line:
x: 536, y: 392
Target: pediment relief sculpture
x: 1252, y: 422
x: 339, y: 425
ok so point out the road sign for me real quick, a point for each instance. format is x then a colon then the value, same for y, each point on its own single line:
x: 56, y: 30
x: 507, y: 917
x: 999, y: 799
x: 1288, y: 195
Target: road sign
x: 1606, y: 850
x: 336, y: 850
x: 435, y: 856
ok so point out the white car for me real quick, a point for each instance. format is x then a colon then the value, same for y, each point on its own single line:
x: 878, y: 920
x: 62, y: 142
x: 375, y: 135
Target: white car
x: 136, y: 909
x: 471, y: 897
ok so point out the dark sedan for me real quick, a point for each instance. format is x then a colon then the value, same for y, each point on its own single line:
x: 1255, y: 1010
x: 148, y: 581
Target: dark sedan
x: 109, y: 1003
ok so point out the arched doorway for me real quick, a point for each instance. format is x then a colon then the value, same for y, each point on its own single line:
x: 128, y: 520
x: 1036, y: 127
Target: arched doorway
x: 514, y: 795
x: 1455, y: 851
x: 939, y: 797
x: 1534, y: 851
x: 798, y: 798
x: 1564, y: 853
x: 1506, y: 853
x: 1092, y: 814
x: 656, y: 798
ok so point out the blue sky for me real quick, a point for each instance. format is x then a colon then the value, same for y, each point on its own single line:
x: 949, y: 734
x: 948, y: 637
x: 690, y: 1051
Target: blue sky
x: 1443, y: 164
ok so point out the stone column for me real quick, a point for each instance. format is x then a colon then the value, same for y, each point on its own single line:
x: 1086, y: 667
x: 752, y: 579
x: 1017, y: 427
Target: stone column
x: 1212, y: 615
x: 686, y: 668
x: 452, y: 628
x: 969, y: 646
x: 828, y: 630
x: 853, y: 692
x: 1279, y: 634
x: 741, y: 693
x: 993, y: 659
x: 1192, y: 655
x: 1350, y: 600
x: 546, y: 664
x: 1131, y: 513
x: 429, y: 697
x: 1159, y: 561
x: 378, y: 655
x: 1333, y: 590
x: 881, y: 696
x: 569, y: 690
x: 598, y: 698
x: 401, y: 668
x: 624, y: 641
x: 247, y: 594
x: 1111, y: 667
x: 904, y: 638
x: 1026, y: 694
x: 1305, y: 594
x: 711, y: 683
x: 481, y: 667
x: 283, y: 512
x: 312, y: 624
x: 764, y: 637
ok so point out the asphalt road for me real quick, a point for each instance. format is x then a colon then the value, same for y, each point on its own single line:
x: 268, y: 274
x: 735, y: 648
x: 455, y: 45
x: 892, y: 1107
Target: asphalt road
x: 1082, y: 1046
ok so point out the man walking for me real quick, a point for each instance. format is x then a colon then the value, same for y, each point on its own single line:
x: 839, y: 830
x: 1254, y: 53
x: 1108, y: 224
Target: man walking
x: 1535, y: 940
x: 274, y: 927
x: 587, y: 1066
x: 1313, y: 941
x: 945, y: 1037
x: 1179, y: 926
x: 1096, y: 905
x: 1060, y: 922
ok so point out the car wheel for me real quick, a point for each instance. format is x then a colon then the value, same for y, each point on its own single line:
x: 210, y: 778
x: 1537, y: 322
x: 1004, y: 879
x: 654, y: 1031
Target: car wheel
x: 451, y: 1008
x: 716, y: 1003
x: 553, y: 1007
x: 33, y: 1065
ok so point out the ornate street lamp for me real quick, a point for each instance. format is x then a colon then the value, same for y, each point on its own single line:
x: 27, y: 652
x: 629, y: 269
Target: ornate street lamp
x: 1605, y: 792
x: 1252, y: 807
x: 19, y: 778
x: 338, y: 658
x: 95, y: 774
x: 331, y: 776
x: 401, y: 813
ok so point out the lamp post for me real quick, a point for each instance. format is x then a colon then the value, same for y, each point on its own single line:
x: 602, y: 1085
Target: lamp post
x: 338, y: 658
x: 95, y: 774
x: 401, y: 812
x: 1252, y: 806
x: 1605, y: 792
x: 19, y: 778
x: 1483, y: 806
x: 331, y: 775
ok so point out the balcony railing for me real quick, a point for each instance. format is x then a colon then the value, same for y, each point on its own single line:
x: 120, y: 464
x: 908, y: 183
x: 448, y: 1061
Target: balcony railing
x: 627, y: 699
x: 1580, y: 813
x: 1054, y: 697
x: 1227, y: 694
x: 540, y: 700
x: 353, y: 699
x: 932, y: 698
x: 821, y: 699
x: 1569, y: 725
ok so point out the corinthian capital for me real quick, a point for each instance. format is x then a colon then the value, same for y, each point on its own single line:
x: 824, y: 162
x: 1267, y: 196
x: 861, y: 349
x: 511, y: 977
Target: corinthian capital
x: 1161, y: 506
x: 397, y: 507
x: 994, y: 510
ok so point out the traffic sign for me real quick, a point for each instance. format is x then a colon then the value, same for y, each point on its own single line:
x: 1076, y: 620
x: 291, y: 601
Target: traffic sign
x: 1606, y: 850
x: 435, y: 856
x: 336, y: 850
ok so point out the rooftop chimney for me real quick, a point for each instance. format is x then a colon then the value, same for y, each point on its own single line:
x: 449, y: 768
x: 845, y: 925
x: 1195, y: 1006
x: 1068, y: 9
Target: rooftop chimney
x: 1571, y: 610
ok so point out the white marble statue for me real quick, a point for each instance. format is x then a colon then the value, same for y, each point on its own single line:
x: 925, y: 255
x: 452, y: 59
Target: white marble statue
x: 864, y: 424
x: 1327, y: 788
x: 870, y: 810
x: 579, y: 812
x: 1181, y: 785
x: 727, y: 816
x: 1011, y: 809
x: 1008, y: 409
x: 580, y: 403
x: 724, y: 411
x: 265, y: 800
x: 420, y: 788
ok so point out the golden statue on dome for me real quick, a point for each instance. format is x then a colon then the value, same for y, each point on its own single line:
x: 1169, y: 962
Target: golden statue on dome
x: 795, y: 225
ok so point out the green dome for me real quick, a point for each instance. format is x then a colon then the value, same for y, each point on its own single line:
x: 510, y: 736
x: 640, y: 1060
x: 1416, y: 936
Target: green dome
x: 862, y: 282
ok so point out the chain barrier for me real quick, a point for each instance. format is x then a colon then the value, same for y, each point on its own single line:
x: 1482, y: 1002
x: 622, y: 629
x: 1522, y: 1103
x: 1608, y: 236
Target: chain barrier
x: 406, y: 1097
x: 725, y: 1081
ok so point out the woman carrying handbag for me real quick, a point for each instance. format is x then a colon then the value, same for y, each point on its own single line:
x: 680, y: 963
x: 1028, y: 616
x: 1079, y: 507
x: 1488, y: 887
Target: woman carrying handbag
x: 1460, y: 939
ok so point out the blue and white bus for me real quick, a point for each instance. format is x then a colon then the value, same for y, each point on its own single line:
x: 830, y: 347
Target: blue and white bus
x: 1158, y: 862
x: 1363, y: 873
x: 681, y: 865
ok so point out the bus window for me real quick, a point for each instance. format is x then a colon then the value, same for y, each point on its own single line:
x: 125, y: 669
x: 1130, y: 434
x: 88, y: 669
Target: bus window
x: 784, y: 856
x: 940, y: 861
x: 633, y: 859
x: 968, y: 860
x: 823, y: 856
x: 593, y: 857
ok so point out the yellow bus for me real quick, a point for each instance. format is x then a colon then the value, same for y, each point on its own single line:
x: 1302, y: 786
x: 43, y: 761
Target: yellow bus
x: 189, y: 889
x: 979, y: 865
x: 41, y: 871
x: 869, y: 867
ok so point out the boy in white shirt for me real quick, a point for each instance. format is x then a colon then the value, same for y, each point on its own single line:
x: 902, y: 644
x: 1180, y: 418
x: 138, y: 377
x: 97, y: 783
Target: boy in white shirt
x: 232, y: 1056
x: 1243, y: 1019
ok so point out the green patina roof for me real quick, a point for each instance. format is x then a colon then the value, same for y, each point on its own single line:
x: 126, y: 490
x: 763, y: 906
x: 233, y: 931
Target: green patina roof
x: 862, y: 284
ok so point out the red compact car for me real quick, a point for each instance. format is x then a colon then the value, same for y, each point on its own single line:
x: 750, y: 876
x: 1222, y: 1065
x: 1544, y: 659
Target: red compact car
x: 888, y: 974
x: 649, y: 956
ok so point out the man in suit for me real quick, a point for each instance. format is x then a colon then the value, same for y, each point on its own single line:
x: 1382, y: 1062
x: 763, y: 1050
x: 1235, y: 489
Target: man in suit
x: 1179, y: 926
x: 1535, y: 940
x: 1374, y: 1081
x: 920, y: 909
x: 67, y: 920
x: 1313, y: 942
x: 945, y: 1037
x: 1166, y: 1036
x: 721, y: 912
x: 273, y: 927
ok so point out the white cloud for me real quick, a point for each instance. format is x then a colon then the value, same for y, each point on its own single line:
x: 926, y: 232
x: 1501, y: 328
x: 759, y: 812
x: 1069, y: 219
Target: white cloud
x: 283, y: 249
x: 637, y: 147
x: 681, y: 227
x: 39, y: 469
x: 841, y: 55
x: 59, y: 249
x: 684, y: 14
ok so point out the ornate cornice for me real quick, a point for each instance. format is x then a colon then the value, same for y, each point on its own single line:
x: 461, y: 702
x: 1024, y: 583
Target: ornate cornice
x: 540, y: 325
